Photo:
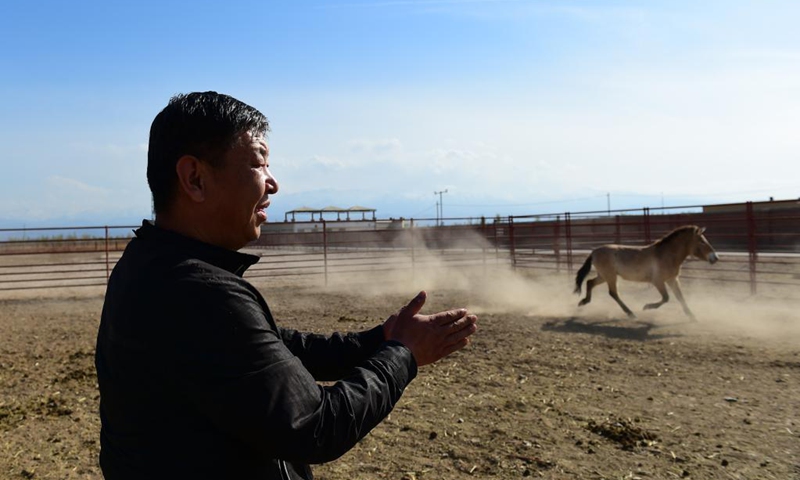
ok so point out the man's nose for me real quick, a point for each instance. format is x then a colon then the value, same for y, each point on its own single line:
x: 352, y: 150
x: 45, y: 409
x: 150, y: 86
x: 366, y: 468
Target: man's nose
x: 272, y: 184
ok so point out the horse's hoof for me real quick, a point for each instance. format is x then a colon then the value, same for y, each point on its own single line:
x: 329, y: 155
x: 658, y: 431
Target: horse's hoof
x: 582, y: 303
x: 631, y: 315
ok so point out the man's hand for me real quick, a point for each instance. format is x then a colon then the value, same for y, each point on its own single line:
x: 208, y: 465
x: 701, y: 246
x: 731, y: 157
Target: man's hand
x: 430, y: 337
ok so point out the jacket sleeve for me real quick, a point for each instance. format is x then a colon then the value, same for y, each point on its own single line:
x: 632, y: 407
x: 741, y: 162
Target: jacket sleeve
x: 238, y: 371
x: 329, y: 358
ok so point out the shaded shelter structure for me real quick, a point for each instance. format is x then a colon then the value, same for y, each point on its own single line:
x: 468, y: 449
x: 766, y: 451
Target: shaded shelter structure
x: 330, y: 211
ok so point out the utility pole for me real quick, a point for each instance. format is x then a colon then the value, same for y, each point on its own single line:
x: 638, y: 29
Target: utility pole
x: 608, y: 203
x: 440, y: 210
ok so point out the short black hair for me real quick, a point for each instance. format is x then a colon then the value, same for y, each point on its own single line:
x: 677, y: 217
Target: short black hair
x: 202, y: 124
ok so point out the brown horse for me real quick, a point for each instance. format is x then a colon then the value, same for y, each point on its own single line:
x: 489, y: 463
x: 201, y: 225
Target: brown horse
x: 658, y: 263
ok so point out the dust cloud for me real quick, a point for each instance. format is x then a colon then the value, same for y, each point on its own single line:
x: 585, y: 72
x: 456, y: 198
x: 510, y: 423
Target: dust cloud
x: 496, y: 287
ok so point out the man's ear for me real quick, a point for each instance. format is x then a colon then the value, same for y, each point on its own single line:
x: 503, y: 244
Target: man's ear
x: 191, y: 177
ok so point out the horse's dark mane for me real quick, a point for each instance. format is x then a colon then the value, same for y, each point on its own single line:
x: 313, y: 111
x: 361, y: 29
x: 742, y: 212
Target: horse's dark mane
x: 674, y: 234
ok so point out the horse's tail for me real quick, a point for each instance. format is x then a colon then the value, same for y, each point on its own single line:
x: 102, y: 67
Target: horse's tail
x: 587, y: 265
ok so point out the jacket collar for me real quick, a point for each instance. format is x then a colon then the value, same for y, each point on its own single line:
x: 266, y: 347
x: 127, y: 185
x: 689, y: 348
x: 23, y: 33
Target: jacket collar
x: 230, y: 260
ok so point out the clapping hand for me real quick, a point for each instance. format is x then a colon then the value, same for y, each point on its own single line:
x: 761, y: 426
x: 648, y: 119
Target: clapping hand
x: 430, y: 337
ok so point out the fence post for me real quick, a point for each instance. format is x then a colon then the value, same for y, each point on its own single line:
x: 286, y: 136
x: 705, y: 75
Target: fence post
x: 496, y: 245
x: 568, y: 235
x: 556, y: 235
x: 108, y: 275
x: 511, y: 241
x: 646, y: 220
x: 413, y: 259
x: 751, y: 246
x: 483, y: 243
x: 325, y: 249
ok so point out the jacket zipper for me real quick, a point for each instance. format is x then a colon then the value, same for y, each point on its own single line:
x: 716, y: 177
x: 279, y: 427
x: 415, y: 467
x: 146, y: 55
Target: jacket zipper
x: 284, y: 470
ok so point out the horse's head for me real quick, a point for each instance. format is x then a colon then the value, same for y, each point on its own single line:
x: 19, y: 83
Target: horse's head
x: 702, y: 249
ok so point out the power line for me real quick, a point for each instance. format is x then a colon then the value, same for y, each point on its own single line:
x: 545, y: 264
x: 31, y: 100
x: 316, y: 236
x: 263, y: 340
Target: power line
x: 722, y: 194
x: 528, y: 204
x: 635, y: 195
x: 421, y: 211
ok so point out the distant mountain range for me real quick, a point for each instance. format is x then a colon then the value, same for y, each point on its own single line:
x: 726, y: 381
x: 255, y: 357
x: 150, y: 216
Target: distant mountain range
x: 453, y: 208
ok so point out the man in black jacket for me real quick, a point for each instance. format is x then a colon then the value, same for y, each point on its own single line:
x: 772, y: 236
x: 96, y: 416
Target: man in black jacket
x: 196, y: 379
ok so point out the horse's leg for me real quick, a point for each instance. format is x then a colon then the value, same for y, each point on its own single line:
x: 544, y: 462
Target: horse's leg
x: 612, y: 290
x: 675, y: 285
x: 662, y: 289
x: 590, y: 284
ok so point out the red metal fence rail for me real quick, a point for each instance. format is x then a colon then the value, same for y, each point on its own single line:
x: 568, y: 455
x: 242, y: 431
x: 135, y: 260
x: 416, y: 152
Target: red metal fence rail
x: 759, y: 244
x: 40, y: 258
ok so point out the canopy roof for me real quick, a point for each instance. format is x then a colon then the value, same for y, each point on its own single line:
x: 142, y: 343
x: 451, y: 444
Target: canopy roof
x: 331, y: 209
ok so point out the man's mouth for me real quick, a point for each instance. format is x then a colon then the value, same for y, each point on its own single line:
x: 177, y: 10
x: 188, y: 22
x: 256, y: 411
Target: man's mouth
x: 261, y: 211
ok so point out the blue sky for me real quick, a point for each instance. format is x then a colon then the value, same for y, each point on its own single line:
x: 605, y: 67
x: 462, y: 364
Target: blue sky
x: 514, y: 107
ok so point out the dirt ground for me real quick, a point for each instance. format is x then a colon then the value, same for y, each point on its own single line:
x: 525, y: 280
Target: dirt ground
x: 546, y: 390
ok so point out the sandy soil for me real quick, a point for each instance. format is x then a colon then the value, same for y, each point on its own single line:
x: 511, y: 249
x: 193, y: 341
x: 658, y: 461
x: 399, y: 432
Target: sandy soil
x: 546, y: 389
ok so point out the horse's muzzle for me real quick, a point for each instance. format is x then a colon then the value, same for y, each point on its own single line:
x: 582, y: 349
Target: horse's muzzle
x: 712, y: 258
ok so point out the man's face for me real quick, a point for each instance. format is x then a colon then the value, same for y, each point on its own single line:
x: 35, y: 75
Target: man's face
x: 239, y: 192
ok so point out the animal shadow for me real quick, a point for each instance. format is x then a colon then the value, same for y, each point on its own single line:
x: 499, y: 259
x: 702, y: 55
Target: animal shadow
x: 640, y: 331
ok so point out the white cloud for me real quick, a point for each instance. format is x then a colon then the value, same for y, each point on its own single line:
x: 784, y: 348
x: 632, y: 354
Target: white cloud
x: 70, y: 186
x: 766, y: 54
x: 445, y: 160
x: 109, y: 149
x: 327, y: 162
x: 63, y: 197
x: 375, y: 146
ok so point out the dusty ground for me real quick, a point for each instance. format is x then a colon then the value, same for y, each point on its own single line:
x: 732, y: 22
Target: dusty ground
x: 545, y: 390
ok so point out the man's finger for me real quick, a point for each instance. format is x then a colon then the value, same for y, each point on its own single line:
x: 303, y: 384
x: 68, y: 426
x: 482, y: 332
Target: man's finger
x: 462, y: 328
x: 416, y: 303
x: 450, y: 316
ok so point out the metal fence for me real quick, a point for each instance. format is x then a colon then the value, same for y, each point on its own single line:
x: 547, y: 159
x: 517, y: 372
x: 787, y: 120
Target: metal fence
x: 38, y: 258
x: 759, y: 244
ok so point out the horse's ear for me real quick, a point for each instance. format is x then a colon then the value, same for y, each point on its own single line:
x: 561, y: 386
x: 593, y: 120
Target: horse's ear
x: 701, y: 230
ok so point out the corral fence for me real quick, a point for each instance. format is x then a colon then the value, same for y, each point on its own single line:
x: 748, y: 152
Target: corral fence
x: 82, y: 256
x: 758, y: 242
